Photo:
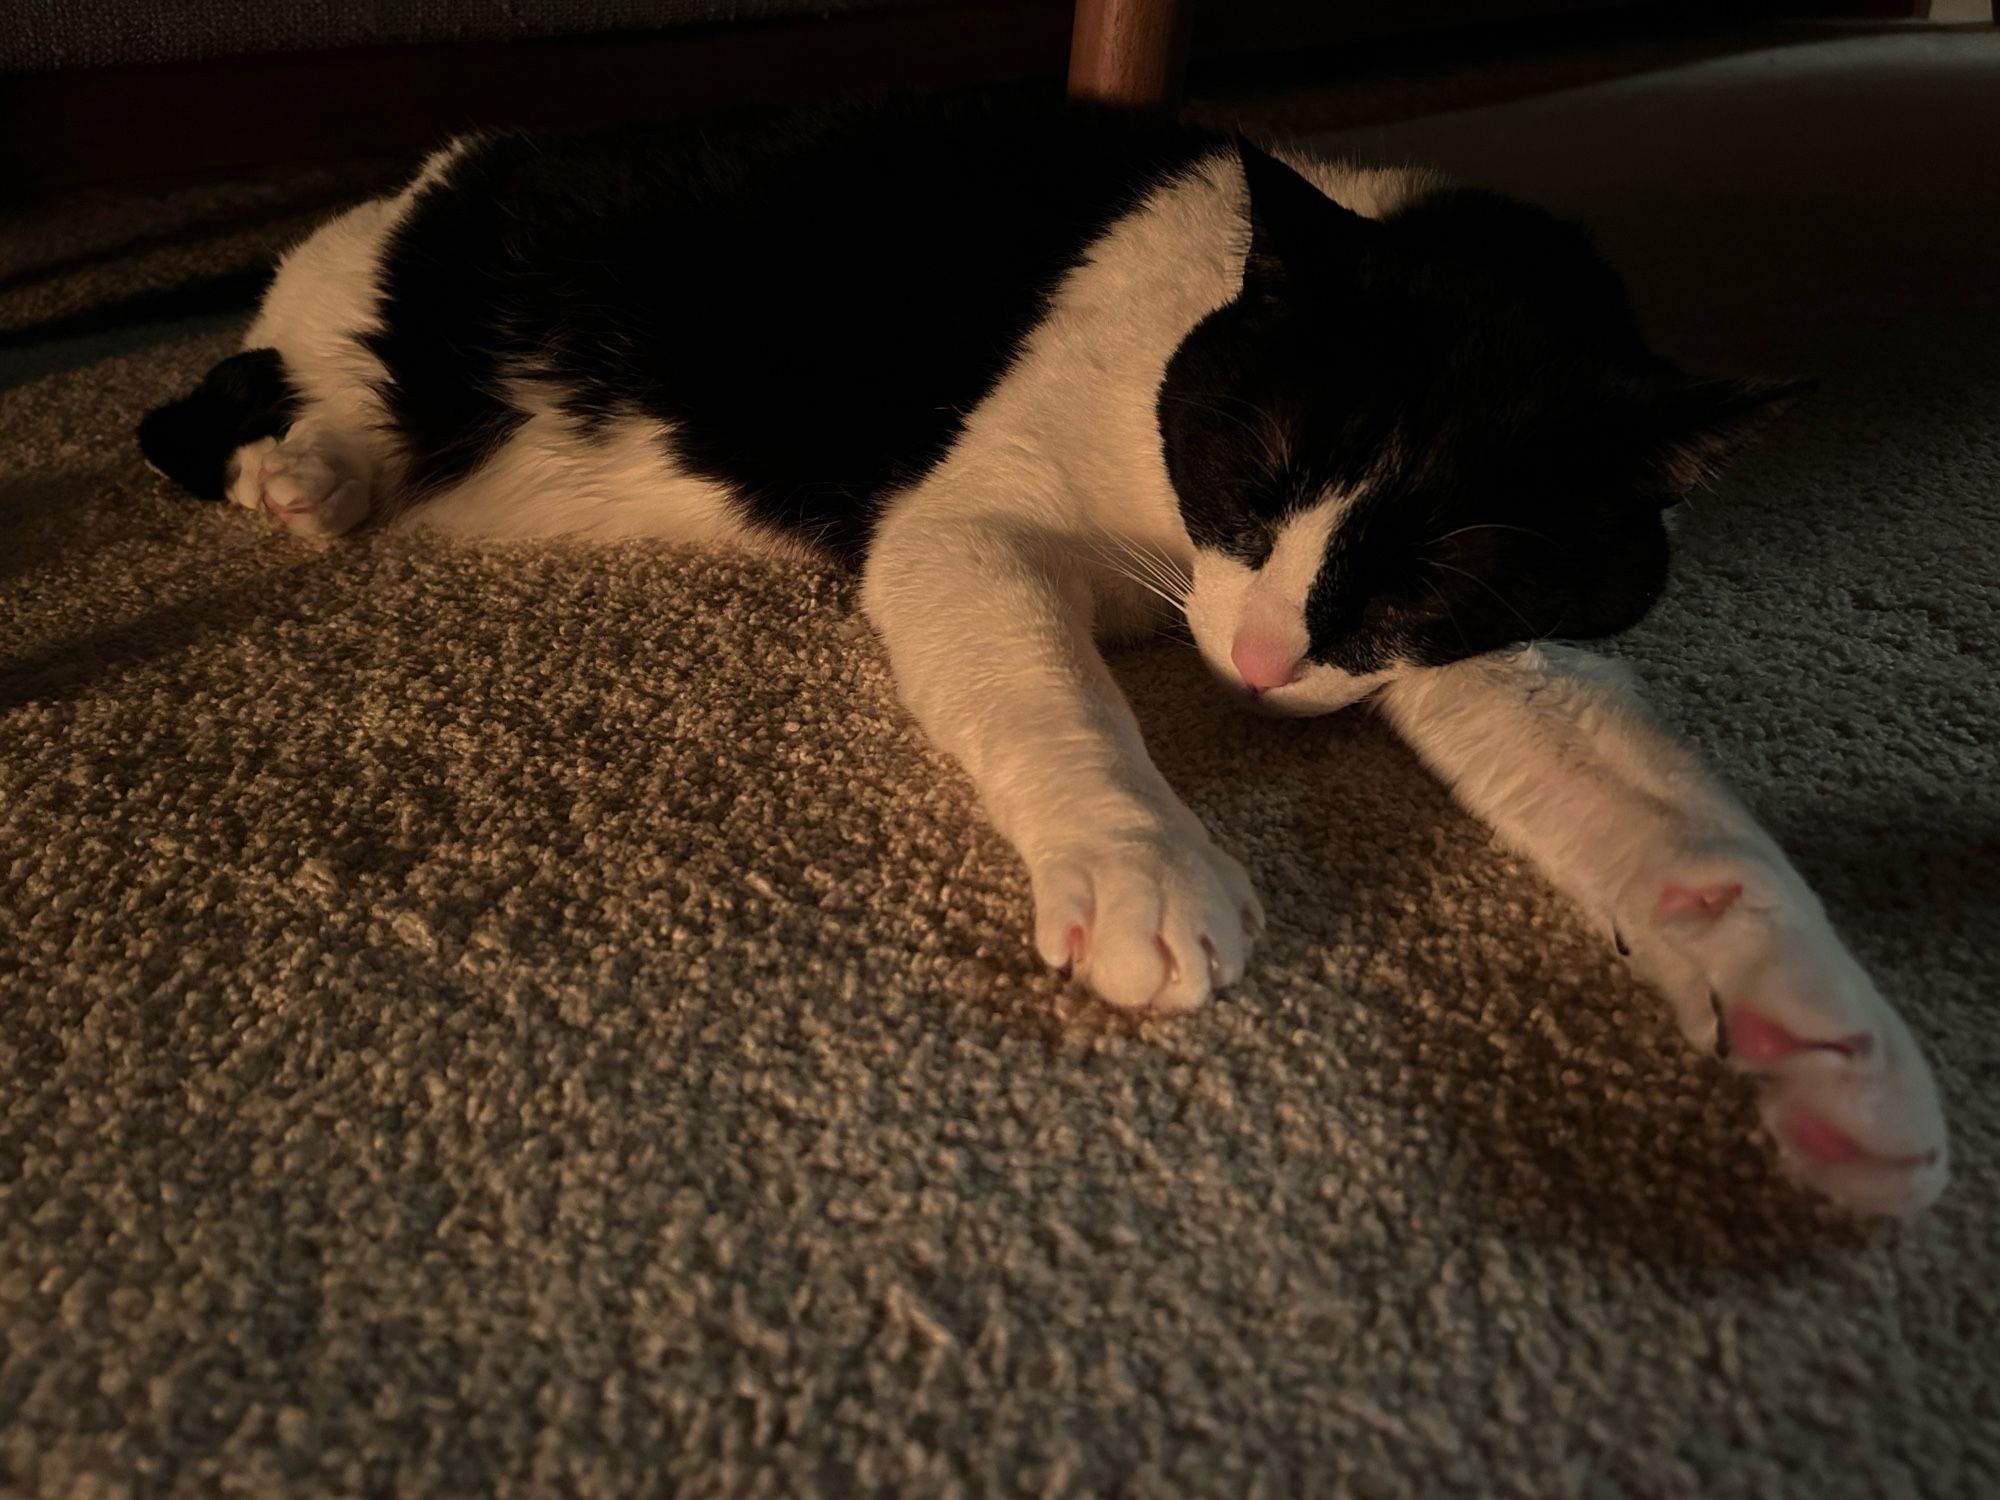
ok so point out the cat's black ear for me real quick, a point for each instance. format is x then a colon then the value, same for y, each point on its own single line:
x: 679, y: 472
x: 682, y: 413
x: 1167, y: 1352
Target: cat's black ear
x: 1298, y: 235
x: 1697, y: 426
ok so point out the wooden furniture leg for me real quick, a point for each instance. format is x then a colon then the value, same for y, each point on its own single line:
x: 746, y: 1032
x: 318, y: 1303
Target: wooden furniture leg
x: 1129, y: 51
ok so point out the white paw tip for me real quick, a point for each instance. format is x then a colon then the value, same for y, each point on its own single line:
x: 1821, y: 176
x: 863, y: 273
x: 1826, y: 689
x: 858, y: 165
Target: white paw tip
x: 1834, y: 1162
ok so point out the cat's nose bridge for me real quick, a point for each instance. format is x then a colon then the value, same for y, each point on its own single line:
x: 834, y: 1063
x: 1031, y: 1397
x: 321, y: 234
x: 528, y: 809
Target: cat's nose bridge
x: 1267, y: 659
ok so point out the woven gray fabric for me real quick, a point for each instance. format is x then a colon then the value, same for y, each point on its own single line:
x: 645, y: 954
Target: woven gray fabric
x: 38, y: 36
x: 542, y: 1023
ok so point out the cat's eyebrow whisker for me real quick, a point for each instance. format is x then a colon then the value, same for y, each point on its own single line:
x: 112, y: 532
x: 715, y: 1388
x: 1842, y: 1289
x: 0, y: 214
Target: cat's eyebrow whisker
x: 1449, y: 613
x: 1489, y: 526
x: 1276, y: 459
x: 1528, y: 624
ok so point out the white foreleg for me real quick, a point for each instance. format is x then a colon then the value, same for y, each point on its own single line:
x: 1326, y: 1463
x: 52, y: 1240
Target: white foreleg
x: 1551, y: 748
x: 988, y: 626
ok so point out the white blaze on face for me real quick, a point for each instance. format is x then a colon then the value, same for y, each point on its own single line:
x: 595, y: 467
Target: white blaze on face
x: 1250, y: 623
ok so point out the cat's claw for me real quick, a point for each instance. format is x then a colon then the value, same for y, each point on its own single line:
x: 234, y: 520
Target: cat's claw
x: 1154, y: 921
x: 1756, y: 973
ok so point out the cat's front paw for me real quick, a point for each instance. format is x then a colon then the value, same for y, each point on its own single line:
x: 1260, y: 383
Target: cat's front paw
x: 1154, y: 920
x: 1756, y: 972
x: 302, y: 483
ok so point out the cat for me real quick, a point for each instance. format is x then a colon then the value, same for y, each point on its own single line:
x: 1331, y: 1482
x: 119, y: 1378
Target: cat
x: 1054, y: 377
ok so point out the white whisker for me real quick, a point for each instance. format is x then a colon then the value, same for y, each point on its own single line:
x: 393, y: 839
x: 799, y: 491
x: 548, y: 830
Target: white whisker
x: 1489, y: 526
x: 1137, y: 565
x: 1525, y: 621
x: 1449, y: 613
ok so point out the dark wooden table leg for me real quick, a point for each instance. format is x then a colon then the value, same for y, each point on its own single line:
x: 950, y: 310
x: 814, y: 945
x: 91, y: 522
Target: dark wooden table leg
x: 1129, y: 51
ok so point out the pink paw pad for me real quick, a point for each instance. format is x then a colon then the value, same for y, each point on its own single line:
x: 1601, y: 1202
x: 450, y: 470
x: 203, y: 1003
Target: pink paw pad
x: 1830, y: 1146
x: 1762, y: 1042
x: 1703, y: 900
x: 1073, y: 942
x: 1824, y: 1143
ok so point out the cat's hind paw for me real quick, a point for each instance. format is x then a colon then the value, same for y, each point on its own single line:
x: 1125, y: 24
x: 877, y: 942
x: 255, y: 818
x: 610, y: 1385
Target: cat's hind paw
x: 302, y: 483
x: 1156, y: 921
x: 1756, y: 972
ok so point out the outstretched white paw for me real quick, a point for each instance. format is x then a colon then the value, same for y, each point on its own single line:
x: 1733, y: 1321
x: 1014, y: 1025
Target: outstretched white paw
x: 1152, y: 920
x: 302, y: 482
x: 1755, y: 971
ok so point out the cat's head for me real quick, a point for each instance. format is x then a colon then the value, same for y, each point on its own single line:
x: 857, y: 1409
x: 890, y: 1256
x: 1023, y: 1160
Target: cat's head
x: 1416, y: 439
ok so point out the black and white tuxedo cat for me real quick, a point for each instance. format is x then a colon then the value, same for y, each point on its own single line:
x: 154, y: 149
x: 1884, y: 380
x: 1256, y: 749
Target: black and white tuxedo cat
x: 1049, y: 377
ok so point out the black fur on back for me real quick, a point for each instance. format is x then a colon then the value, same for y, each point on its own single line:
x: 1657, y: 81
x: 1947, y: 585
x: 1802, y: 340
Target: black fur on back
x: 191, y: 440
x: 813, y: 304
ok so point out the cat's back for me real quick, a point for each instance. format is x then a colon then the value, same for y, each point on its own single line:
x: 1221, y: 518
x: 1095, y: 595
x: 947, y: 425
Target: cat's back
x: 840, y: 186
x: 810, y: 302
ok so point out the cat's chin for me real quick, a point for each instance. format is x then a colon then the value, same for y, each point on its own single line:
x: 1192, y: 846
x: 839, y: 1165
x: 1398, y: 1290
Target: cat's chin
x: 1311, y: 696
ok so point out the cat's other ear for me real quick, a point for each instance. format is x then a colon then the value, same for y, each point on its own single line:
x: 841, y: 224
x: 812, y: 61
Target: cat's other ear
x: 1699, y: 425
x: 1297, y: 233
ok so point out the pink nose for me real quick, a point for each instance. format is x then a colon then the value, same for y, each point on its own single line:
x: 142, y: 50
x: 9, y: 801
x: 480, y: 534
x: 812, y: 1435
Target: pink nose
x: 1264, y: 660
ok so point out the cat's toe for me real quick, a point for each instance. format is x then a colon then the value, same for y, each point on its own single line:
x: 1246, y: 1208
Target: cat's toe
x: 1147, y: 924
x: 313, y: 499
x: 1855, y: 1114
x: 301, y: 482
x: 1844, y: 1089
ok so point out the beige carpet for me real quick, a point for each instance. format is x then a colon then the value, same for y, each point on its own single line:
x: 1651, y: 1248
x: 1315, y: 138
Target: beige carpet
x: 542, y: 1024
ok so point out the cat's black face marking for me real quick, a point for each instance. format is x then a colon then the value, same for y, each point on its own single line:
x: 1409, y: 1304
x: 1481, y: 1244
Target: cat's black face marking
x: 246, y: 397
x: 1471, y: 374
